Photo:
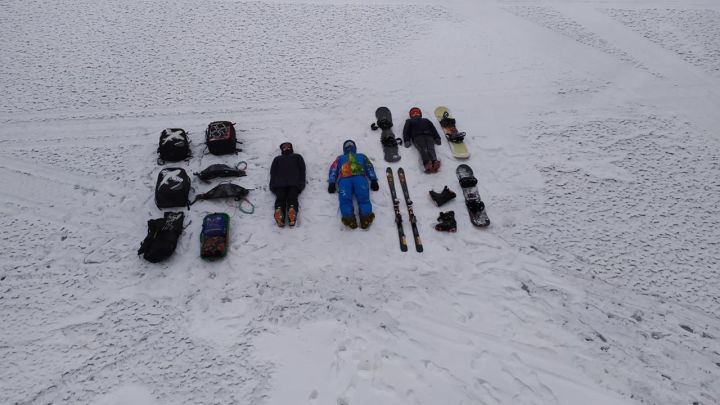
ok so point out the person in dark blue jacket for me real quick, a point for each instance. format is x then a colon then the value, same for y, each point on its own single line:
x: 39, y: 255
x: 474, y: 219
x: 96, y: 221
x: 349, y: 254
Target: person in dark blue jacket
x: 287, y: 181
x: 349, y: 175
x: 422, y: 133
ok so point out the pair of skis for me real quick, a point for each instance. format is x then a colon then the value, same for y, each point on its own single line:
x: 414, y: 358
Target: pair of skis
x: 396, y: 208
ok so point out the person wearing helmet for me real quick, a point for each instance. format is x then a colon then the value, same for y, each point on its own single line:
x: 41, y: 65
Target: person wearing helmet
x: 349, y: 175
x: 287, y: 181
x: 421, y: 132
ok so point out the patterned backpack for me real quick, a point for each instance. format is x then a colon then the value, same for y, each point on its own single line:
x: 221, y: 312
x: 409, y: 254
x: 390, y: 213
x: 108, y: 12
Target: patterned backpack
x: 214, y: 236
x: 221, y: 139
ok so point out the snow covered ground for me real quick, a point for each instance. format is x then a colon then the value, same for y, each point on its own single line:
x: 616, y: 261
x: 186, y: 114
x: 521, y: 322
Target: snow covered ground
x: 593, y: 129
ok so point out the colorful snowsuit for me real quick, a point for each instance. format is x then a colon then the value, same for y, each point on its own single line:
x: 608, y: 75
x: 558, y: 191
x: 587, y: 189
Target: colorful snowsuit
x: 350, y: 171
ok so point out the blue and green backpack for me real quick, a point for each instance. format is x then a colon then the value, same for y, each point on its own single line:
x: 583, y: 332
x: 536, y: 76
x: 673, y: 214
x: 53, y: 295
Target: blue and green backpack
x: 214, y: 237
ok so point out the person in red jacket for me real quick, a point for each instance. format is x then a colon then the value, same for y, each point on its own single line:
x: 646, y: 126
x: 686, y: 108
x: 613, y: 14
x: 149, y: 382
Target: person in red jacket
x: 421, y: 132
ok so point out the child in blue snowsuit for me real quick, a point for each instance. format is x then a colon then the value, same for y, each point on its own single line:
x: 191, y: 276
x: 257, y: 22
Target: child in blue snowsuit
x: 348, y: 174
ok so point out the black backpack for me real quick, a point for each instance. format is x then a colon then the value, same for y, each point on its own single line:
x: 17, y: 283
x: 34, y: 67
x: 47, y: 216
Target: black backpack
x: 172, y: 188
x: 228, y: 190
x: 224, y: 190
x: 221, y: 139
x: 162, y: 237
x: 221, y: 170
x: 174, y: 146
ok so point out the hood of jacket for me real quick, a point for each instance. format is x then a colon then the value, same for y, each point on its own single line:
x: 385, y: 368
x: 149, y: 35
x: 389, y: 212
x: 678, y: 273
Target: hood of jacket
x: 349, y: 147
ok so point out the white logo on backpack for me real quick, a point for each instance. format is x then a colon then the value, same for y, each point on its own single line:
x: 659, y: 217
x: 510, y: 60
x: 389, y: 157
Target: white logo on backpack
x: 172, y: 179
x: 173, y: 136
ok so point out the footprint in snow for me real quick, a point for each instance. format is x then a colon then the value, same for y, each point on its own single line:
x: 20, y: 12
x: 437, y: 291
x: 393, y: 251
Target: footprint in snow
x: 313, y: 397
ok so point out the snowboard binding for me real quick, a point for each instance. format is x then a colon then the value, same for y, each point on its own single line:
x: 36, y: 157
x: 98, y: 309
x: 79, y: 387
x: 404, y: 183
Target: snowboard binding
x: 456, y: 138
x: 442, y: 197
x: 469, y: 181
x: 446, y: 121
x: 382, y: 123
x: 446, y: 222
x: 389, y: 142
x: 476, y: 206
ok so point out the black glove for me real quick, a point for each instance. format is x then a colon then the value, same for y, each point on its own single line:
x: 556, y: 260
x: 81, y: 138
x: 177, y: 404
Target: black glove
x: 437, y: 141
x: 374, y: 186
x: 331, y: 188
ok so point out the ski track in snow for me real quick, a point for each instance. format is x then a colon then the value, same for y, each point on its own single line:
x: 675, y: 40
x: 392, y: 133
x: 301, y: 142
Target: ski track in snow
x: 596, y: 282
x: 693, y: 35
x: 554, y: 20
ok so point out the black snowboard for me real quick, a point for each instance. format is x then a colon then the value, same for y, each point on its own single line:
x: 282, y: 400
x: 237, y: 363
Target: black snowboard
x: 475, y: 206
x: 387, y: 137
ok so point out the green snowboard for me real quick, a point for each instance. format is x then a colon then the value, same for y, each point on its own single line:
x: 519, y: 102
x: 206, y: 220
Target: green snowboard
x: 455, y: 139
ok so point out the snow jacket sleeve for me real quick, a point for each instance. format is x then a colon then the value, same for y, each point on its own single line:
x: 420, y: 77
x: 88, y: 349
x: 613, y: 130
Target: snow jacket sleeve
x: 406, y: 133
x: 334, y: 169
x: 435, y: 133
x: 369, y: 169
x: 273, y: 174
x: 301, y: 169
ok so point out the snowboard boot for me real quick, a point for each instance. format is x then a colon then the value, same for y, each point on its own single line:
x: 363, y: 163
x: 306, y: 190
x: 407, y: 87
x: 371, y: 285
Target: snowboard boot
x: 435, y: 166
x: 367, y: 220
x: 446, y: 222
x: 442, y: 197
x: 280, y: 217
x: 350, y: 222
x: 428, y: 166
x: 292, y: 215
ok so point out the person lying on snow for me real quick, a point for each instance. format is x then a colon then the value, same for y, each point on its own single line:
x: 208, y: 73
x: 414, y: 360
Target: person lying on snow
x: 422, y: 133
x: 349, y: 175
x: 287, y: 181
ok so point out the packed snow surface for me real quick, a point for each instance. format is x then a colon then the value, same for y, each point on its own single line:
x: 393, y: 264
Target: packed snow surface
x: 593, y: 128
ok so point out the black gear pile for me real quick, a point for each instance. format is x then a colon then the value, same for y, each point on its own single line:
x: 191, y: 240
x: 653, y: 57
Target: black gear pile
x: 446, y: 222
x: 442, y: 197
